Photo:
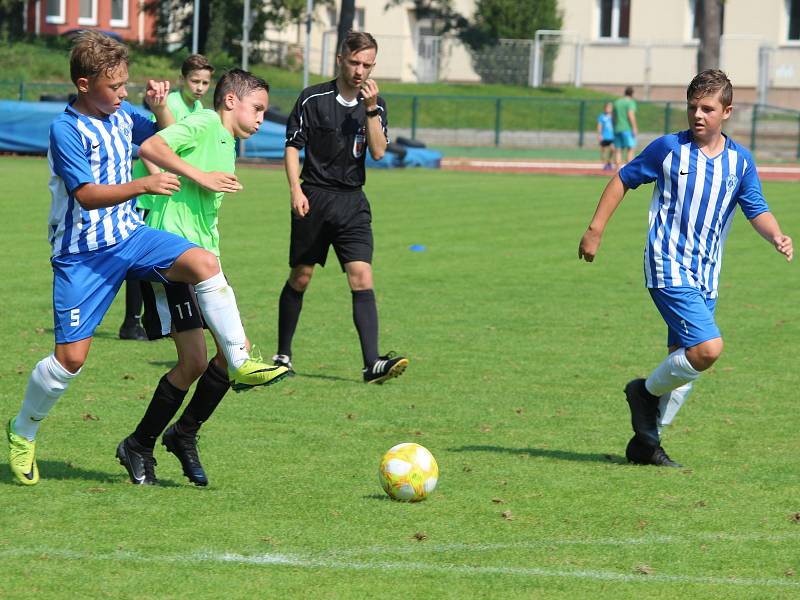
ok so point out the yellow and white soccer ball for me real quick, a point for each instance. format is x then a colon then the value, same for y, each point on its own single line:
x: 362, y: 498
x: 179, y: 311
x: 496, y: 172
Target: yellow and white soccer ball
x: 408, y: 472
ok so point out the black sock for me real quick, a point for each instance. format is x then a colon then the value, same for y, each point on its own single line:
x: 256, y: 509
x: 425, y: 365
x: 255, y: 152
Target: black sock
x: 133, y: 302
x: 365, y: 316
x: 166, y: 401
x: 289, y: 307
x: 211, y: 387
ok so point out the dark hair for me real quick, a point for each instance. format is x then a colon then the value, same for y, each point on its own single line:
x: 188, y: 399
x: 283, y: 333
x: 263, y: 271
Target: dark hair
x: 240, y: 83
x: 356, y: 41
x: 708, y: 83
x: 196, y: 62
x: 629, y: 91
x: 94, y: 54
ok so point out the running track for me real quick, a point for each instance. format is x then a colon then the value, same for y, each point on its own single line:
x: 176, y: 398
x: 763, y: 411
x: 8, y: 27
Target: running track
x: 765, y: 172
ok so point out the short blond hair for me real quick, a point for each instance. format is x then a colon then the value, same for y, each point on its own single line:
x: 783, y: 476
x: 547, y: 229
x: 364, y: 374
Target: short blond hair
x: 94, y: 54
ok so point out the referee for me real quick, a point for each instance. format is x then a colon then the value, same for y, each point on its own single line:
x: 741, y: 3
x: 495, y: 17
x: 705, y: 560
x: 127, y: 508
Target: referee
x: 336, y: 122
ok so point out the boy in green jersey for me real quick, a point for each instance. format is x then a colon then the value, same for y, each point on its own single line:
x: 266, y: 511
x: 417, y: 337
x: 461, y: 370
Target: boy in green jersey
x: 207, y: 138
x: 194, y: 82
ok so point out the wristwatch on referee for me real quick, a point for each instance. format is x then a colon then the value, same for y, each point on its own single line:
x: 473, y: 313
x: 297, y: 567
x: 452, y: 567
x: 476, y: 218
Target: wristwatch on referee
x: 374, y: 112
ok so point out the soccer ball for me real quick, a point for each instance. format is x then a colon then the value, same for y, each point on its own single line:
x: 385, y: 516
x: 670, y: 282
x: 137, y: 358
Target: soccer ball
x: 408, y: 472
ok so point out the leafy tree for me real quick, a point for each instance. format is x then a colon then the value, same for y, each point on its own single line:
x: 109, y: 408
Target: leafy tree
x: 11, y: 22
x: 496, y: 20
x: 220, y: 30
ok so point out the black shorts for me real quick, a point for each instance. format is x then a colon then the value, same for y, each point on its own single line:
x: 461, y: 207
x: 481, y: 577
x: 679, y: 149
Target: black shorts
x: 168, y: 304
x: 339, y: 219
x: 606, y: 143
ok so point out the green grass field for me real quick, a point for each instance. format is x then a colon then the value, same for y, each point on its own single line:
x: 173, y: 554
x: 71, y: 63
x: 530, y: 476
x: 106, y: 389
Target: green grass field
x: 519, y: 353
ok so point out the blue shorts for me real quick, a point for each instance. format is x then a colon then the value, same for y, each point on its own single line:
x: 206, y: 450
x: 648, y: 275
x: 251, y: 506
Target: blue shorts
x: 688, y: 313
x: 85, y: 284
x: 625, y: 139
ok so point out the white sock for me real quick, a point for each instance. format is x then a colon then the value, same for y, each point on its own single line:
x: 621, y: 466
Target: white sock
x: 218, y: 303
x: 670, y: 403
x: 48, y: 381
x: 672, y: 373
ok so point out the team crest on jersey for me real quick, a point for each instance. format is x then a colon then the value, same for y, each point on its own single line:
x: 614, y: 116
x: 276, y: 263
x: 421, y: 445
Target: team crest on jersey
x: 125, y: 130
x: 359, y: 142
x: 731, y: 182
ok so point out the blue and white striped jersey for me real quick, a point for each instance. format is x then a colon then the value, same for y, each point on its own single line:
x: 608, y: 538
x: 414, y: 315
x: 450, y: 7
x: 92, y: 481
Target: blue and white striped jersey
x: 83, y: 150
x: 692, y: 207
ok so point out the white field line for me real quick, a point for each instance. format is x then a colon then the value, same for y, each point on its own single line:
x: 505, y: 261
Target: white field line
x: 326, y: 562
x: 549, y: 543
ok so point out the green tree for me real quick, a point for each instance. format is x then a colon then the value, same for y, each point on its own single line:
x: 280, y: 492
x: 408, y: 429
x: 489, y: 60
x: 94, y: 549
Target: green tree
x: 496, y: 20
x: 11, y: 20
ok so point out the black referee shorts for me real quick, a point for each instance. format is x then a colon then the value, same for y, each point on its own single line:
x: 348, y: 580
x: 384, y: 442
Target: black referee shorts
x: 339, y: 219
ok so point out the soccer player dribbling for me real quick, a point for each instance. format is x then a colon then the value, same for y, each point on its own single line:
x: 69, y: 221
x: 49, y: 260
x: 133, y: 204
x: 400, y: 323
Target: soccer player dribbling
x: 700, y: 176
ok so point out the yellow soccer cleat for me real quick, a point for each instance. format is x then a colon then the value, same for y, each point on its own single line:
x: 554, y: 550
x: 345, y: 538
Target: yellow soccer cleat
x: 253, y: 373
x: 22, y: 457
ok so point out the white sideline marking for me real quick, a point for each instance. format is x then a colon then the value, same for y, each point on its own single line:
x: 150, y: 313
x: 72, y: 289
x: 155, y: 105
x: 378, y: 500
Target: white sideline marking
x: 545, y: 543
x: 324, y: 562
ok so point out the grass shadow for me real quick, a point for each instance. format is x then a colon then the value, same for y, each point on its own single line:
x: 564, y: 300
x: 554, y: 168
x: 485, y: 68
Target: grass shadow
x: 381, y: 497
x: 327, y: 377
x: 547, y: 453
x: 59, y: 470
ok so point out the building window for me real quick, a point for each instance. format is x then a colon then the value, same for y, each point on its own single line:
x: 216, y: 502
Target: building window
x: 119, y: 13
x: 88, y: 12
x: 56, y: 11
x: 697, y: 16
x: 333, y: 22
x: 358, y: 21
x: 793, y: 8
x: 615, y: 19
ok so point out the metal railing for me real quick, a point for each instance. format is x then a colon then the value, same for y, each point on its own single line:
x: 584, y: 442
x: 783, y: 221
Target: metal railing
x: 518, y: 121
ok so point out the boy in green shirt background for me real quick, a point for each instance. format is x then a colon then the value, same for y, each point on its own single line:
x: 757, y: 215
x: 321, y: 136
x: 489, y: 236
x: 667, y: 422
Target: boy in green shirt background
x: 204, y: 137
x: 193, y: 84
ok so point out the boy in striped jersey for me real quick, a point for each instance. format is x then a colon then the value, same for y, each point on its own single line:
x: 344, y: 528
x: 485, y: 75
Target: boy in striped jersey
x: 98, y: 239
x: 701, y: 175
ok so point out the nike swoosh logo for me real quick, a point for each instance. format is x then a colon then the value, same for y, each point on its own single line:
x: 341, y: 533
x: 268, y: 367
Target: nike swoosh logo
x: 95, y: 147
x: 139, y: 479
x: 29, y: 476
x: 684, y: 173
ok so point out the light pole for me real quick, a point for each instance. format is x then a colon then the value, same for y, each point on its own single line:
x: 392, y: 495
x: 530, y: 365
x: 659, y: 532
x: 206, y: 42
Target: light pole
x: 196, y: 27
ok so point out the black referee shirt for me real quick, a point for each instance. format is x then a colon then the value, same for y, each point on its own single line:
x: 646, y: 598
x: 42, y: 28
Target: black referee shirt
x: 334, y: 137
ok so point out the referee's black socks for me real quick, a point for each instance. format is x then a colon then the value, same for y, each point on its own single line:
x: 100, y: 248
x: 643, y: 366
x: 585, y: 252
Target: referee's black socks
x: 365, y: 317
x: 289, y: 306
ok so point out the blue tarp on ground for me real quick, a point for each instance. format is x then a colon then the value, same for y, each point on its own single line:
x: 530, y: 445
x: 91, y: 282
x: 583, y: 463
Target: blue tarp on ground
x: 25, y: 127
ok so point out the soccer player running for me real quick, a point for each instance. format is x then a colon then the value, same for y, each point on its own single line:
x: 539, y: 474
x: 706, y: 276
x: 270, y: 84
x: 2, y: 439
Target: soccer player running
x: 98, y: 239
x: 336, y: 122
x: 194, y: 82
x: 700, y: 176
x: 204, y: 139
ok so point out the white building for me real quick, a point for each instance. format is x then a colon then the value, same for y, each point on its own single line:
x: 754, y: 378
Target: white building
x: 603, y: 44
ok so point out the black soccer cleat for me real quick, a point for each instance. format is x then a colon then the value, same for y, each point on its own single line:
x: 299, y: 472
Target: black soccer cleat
x: 284, y: 360
x: 139, y: 462
x: 184, y: 447
x: 386, y: 367
x: 640, y: 453
x: 644, y: 412
x: 133, y: 332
